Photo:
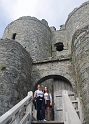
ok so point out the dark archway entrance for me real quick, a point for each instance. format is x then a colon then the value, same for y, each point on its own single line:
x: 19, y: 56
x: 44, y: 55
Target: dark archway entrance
x: 57, y: 84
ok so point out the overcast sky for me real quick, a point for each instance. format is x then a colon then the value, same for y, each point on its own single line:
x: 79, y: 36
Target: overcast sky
x: 55, y: 12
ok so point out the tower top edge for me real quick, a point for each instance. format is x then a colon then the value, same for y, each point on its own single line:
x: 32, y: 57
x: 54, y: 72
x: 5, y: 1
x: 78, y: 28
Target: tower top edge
x: 43, y: 21
x: 76, y: 9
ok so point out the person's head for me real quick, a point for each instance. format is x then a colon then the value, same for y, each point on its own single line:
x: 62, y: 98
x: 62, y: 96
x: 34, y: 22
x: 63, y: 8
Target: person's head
x: 38, y: 86
x: 46, y: 90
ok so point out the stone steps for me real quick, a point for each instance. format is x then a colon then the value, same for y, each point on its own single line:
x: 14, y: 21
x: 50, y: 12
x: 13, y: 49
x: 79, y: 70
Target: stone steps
x: 46, y: 122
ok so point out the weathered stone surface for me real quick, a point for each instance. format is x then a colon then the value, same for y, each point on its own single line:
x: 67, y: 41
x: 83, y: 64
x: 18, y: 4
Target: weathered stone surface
x: 81, y: 64
x: 72, y: 63
x: 15, y: 73
x: 34, y: 35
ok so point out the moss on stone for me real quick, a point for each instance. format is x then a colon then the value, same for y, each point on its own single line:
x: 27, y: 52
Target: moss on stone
x: 2, y: 67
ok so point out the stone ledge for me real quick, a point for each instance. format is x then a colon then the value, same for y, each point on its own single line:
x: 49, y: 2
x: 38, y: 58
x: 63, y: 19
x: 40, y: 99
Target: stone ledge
x: 47, y: 122
x: 51, y: 59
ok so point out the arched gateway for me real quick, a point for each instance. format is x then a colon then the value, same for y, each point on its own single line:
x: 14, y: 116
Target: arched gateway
x: 57, y: 84
x: 56, y: 58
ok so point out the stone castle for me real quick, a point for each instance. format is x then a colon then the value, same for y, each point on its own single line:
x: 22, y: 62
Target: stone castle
x: 31, y: 52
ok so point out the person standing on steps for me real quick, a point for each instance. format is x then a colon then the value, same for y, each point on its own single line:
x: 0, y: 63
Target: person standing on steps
x: 40, y: 102
x: 48, y: 102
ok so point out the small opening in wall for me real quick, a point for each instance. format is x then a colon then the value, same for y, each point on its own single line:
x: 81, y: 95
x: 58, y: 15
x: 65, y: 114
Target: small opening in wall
x: 59, y: 46
x: 13, y: 36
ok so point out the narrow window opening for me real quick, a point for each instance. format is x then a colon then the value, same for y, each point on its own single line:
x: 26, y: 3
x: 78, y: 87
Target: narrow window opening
x: 13, y: 36
x: 59, y: 46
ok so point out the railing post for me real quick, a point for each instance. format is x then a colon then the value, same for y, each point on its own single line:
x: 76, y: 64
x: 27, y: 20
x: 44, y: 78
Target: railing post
x: 17, y: 120
x: 29, y: 107
x: 34, y: 113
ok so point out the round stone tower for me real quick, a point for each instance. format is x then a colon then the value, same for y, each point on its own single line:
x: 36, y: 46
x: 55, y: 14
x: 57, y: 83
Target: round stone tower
x: 34, y: 35
x: 15, y: 73
x: 77, y: 26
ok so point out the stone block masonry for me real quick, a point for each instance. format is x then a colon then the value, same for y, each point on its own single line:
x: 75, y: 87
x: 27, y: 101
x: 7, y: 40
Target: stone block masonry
x: 15, y: 73
x: 34, y: 35
x: 36, y: 38
x: 80, y: 49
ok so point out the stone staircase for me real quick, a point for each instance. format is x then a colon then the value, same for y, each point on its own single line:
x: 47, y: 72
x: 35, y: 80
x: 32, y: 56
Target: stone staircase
x: 46, y: 122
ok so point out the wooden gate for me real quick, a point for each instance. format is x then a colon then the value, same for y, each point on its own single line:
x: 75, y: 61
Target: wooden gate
x: 59, y: 86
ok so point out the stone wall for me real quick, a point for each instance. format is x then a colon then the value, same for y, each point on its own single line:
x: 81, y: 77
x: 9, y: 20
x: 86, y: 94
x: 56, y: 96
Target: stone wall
x: 34, y: 35
x: 77, y: 35
x: 42, y: 71
x: 38, y: 39
x: 80, y: 49
x: 15, y: 73
x: 59, y: 36
x: 77, y: 19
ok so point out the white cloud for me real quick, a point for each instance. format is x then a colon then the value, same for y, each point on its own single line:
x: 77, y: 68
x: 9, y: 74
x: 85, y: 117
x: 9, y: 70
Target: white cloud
x: 25, y: 8
x: 39, y: 8
x: 54, y: 11
x: 8, y: 7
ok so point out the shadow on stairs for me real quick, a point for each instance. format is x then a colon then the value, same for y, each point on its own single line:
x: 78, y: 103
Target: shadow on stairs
x: 46, y: 122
